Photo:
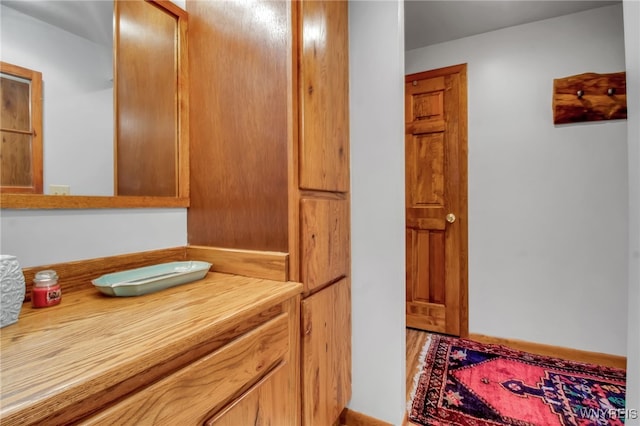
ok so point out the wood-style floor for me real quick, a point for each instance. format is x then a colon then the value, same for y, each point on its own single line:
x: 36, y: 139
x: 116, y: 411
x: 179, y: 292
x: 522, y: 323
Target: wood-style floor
x: 415, y: 342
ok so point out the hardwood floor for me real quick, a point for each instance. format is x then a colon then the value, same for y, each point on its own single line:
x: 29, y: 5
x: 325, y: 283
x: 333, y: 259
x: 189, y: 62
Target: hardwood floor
x: 415, y: 342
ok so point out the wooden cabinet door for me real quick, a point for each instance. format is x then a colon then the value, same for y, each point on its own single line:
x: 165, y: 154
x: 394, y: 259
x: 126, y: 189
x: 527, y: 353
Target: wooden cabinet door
x: 147, y: 104
x: 326, y: 354
x: 324, y: 241
x: 324, y: 96
x: 240, y: 123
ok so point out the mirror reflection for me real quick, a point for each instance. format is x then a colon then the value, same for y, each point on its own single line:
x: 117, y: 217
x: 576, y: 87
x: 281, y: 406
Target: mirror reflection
x: 20, y: 129
x: 71, y: 44
x: 105, y: 134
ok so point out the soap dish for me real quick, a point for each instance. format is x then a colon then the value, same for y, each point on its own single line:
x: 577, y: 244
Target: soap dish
x: 149, y: 279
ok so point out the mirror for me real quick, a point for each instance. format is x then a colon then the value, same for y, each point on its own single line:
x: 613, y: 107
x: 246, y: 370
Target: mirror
x: 147, y: 153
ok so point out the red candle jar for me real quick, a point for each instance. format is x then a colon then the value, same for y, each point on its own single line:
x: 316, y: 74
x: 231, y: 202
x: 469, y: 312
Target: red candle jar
x: 46, y: 290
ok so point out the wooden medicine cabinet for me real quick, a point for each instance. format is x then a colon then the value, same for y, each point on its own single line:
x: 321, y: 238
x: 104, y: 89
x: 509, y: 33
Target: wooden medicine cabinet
x: 150, y: 114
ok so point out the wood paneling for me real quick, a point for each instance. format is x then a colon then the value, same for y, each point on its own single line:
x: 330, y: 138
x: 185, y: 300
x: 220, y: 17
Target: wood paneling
x: 146, y: 86
x: 257, y: 264
x: 324, y: 96
x: 326, y: 352
x: 240, y: 116
x: 324, y: 241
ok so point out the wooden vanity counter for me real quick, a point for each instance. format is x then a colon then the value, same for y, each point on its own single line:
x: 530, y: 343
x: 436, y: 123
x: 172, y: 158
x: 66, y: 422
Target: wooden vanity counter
x: 67, y: 363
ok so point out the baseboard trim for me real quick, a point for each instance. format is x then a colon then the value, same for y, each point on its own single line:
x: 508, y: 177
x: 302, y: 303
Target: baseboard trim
x: 353, y: 418
x: 598, y: 358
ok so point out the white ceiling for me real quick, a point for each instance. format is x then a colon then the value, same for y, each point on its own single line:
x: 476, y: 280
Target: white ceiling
x: 426, y: 21
x: 429, y: 22
x: 90, y: 19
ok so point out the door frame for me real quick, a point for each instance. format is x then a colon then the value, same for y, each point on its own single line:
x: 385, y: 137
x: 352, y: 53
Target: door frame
x: 462, y: 215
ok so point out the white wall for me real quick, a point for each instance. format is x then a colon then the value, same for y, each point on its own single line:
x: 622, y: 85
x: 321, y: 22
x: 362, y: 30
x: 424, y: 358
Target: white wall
x: 78, y: 151
x: 376, y: 45
x: 78, y: 100
x: 632, y: 45
x: 547, y: 204
x: 40, y: 237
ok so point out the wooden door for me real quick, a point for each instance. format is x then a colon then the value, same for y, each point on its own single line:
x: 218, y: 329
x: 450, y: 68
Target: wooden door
x: 20, y: 129
x: 436, y: 201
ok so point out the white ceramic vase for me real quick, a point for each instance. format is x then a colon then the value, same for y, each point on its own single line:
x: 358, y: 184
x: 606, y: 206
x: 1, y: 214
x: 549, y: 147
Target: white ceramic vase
x: 12, y: 289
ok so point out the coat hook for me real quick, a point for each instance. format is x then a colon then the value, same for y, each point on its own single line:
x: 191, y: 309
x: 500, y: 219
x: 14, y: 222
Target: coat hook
x: 611, y: 91
x: 580, y: 93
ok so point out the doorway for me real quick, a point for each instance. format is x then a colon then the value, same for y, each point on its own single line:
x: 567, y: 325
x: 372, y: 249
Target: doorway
x: 436, y: 200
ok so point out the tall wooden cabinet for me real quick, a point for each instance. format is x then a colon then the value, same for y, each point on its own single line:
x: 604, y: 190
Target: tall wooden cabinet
x: 269, y: 143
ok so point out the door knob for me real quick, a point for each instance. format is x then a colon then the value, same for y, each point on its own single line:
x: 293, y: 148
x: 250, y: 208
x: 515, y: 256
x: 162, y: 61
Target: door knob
x: 451, y: 218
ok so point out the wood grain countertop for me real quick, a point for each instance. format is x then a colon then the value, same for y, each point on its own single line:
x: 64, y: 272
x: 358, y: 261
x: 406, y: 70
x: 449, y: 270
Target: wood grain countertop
x: 75, y: 357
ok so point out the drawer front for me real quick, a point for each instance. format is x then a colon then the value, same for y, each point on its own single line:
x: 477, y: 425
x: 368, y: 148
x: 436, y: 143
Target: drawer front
x: 260, y: 405
x: 198, y: 391
x: 324, y: 240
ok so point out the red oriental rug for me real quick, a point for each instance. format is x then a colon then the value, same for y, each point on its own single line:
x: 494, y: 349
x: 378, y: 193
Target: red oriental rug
x: 462, y: 382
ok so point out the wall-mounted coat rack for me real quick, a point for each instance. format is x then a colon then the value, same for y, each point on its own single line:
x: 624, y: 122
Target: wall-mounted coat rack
x: 590, y: 97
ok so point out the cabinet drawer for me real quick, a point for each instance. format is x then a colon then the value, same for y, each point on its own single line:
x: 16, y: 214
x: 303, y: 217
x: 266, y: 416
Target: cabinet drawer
x: 324, y: 241
x: 198, y: 391
x: 260, y: 405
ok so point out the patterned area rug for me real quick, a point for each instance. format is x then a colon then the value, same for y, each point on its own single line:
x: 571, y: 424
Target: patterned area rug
x: 462, y: 382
